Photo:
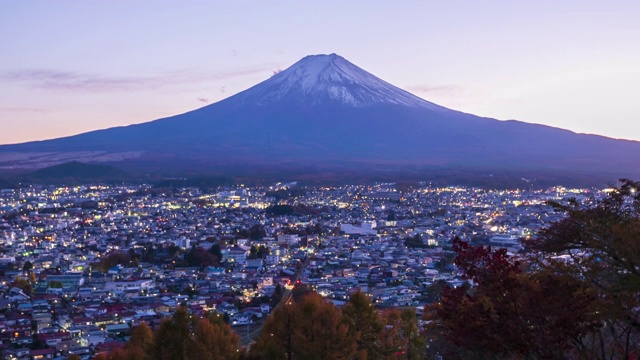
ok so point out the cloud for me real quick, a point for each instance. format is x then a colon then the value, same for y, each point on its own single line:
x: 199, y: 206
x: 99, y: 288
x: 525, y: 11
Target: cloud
x: 435, y: 89
x: 66, y: 80
x: 77, y: 81
x: 238, y: 73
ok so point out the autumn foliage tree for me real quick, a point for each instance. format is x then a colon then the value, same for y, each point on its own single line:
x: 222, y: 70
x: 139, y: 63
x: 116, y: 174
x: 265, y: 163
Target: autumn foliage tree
x: 599, y: 246
x: 315, y: 329
x: 181, y: 337
x: 276, y: 341
x: 310, y: 329
x: 510, y: 312
x: 391, y: 340
x: 140, y: 344
x: 111, y: 260
x: 401, y: 337
x: 215, y: 341
x: 137, y: 348
x: 364, y: 324
x: 321, y: 333
x: 173, y: 339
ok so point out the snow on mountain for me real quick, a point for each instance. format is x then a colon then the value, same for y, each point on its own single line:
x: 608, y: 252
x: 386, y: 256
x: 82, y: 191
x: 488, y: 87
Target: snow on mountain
x: 323, y: 79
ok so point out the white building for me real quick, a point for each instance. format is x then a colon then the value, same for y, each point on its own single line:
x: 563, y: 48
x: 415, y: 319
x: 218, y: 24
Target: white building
x: 366, y: 228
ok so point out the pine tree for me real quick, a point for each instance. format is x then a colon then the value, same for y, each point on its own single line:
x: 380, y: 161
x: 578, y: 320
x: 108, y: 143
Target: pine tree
x: 141, y: 342
x: 322, y: 333
x: 215, y: 342
x: 276, y: 338
x: 364, y: 325
x: 173, y: 338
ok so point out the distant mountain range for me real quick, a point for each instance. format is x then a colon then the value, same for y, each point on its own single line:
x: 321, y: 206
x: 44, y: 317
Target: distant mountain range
x: 324, y: 114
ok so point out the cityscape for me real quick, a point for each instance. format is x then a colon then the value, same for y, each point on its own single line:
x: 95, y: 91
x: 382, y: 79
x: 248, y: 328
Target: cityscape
x: 83, y: 265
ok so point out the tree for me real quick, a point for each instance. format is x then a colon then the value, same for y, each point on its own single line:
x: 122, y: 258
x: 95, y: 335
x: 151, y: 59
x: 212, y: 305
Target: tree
x: 215, y: 342
x: 215, y: 251
x: 401, y: 338
x: 391, y: 341
x: 173, y: 339
x: 55, y: 285
x: 364, y: 325
x: 199, y: 257
x: 181, y: 337
x: 415, y: 343
x: 277, y: 210
x: 112, y: 260
x: 321, y: 332
x: 300, y: 291
x: 276, y: 339
x: 415, y: 242
x: 257, y: 232
x: 509, y: 312
x: 27, y: 267
x: 598, y: 246
x: 258, y: 252
x: 311, y: 329
x: 140, y: 344
x: 22, y: 284
x: 277, y: 295
x: 433, y: 292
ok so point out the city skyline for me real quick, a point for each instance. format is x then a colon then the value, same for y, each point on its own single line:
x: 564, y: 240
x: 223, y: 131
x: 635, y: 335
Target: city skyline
x: 73, y: 67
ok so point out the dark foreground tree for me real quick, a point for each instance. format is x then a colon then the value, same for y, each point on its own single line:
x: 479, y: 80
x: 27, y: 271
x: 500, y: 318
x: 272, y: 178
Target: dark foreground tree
x: 321, y: 333
x: 364, y: 324
x: 401, y: 338
x: 140, y: 344
x: 510, y: 312
x: 181, y: 337
x: 173, y: 339
x: 277, y: 335
x: 215, y: 342
x: 599, y: 246
x: 310, y: 329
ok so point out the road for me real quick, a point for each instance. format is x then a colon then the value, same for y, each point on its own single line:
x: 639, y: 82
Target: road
x: 286, y: 296
x: 248, y: 333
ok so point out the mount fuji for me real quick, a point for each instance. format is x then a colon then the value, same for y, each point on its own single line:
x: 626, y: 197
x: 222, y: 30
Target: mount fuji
x: 324, y: 111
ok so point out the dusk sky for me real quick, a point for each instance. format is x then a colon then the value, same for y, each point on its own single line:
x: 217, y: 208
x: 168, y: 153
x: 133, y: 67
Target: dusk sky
x: 68, y: 67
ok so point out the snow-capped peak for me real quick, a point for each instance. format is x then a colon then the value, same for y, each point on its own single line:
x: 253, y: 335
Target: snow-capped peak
x: 326, y: 79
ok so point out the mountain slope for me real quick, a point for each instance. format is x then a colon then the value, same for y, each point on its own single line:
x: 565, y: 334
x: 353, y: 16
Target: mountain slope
x: 324, y: 110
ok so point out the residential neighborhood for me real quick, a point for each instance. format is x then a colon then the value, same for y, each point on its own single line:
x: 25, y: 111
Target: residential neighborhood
x: 81, y: 266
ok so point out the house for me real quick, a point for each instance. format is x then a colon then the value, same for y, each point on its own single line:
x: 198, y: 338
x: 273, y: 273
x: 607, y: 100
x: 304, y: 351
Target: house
x: 237, y: 254
x: 272, y: 259
x: 68, y: 281
x: 41, y: 354
x: 288, y: 239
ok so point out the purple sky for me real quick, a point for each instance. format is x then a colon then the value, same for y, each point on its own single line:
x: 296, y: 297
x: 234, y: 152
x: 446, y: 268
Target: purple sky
x: 68, y: 67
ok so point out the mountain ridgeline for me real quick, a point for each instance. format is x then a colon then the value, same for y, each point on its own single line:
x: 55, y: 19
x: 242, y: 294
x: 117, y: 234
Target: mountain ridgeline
x: 324, y: 114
